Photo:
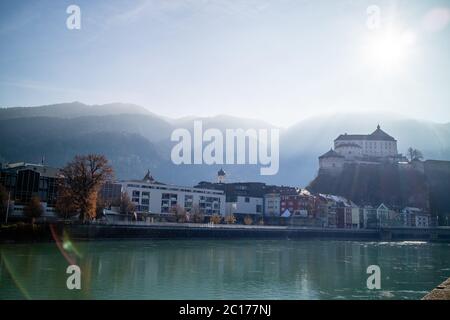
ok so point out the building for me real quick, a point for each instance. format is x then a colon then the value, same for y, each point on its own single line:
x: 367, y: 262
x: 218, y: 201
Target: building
x: 299, y: 203
x: 383, y: 216
x: 250, y: 198
x: 331, y: 162
x: 111, y: 192
x: 415, y: 217
x: 373, y: 148
x: 152, y: 197
x: 272, y: 205
x: 221, y: 176
x: 27, y: 180
x: 368, y: 217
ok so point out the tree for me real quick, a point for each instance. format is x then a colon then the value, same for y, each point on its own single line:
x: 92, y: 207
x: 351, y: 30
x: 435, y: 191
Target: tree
x: 126, y: 206
x: 414, y: 154
x: 215, y: 219
x: 101, y: 204
x: 197, y: 214
x: 65, y: 207
x: 180, y: 213
x: 81, y: 181
x: 34, y: 209
x: 248, y: 220
x: 230, y: 219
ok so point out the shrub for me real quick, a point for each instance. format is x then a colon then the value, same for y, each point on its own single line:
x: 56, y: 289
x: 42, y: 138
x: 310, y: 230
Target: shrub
x: 248, y: 220
x: 215, y: 218
x: 230, y: 219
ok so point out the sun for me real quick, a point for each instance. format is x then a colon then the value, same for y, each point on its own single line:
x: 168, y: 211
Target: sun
x: 389, y: 49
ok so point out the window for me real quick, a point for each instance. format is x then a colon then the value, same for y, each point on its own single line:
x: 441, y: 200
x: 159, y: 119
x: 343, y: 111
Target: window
x: 247, y: 199
x: 168, y: 200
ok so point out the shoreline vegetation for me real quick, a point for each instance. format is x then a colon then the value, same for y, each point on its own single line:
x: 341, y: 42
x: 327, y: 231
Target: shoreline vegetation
x: 49, y: 232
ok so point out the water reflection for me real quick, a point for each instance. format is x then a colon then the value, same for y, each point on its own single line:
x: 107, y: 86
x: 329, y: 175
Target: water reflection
x: 224, y: 269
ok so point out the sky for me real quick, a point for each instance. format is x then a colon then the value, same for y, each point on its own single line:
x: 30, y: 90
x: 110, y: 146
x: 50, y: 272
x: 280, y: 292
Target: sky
x: 279, y: 61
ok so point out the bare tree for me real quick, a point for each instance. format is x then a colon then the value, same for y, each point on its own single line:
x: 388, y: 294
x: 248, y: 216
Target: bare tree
x: 414, y: 154
x: 126, y: 206
x: 197, y: 214
x: 81, y: 181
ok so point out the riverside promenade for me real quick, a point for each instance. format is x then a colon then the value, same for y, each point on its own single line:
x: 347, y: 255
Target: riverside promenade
x: 142, y: 230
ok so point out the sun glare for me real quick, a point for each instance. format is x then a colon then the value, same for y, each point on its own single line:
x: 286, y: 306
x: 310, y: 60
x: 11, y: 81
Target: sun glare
x: 389, y: 49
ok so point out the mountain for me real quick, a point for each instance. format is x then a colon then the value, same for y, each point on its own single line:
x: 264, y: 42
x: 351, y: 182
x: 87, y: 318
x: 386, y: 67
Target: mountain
x: 135, y: 139
x: 72, y: 110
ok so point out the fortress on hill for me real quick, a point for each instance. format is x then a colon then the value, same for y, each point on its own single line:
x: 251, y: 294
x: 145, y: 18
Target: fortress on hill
x: 375, y: 148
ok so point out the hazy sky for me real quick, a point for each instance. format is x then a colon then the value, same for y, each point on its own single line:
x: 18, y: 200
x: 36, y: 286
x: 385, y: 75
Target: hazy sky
x: 279, y: 61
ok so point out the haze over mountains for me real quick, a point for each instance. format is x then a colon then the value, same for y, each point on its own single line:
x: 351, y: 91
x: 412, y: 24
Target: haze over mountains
x: 135, y: 139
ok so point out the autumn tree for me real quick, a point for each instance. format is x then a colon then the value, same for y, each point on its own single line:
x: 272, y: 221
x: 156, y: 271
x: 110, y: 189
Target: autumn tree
x: 215, y: 219
x: 230, y: 219
x: 65, y: 207
x: 34, y: 209
x: 248, y: 220
x: 81, y: 181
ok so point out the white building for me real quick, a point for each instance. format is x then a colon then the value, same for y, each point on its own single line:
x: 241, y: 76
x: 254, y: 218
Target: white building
x: 150, y: 196
x: 244, y: 205
x: 378, y: 144
x: 415, y: 217
x: 383, y: 215
x: 360, y: 148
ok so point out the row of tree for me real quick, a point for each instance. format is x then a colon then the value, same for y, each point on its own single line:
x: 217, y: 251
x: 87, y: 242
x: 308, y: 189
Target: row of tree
x: 78, y: 190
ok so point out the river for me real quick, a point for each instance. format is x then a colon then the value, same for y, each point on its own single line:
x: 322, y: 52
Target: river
x: 222, y: 269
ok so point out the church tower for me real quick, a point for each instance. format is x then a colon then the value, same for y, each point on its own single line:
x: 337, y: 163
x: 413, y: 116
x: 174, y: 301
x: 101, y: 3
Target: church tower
x: 221, y: 176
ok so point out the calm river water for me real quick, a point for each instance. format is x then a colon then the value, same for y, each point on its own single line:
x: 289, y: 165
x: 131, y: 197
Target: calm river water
x: 222, y: 269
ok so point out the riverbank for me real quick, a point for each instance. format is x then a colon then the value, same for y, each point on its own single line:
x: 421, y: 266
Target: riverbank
x: 48, y: 232
x: 441, y: 292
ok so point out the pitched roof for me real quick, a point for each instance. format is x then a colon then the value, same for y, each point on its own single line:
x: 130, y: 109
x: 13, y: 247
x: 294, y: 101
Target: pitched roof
x: 378, y: 134
x: 331, y: 154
